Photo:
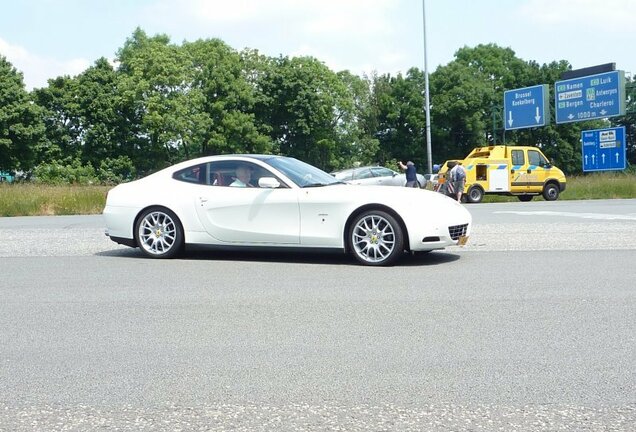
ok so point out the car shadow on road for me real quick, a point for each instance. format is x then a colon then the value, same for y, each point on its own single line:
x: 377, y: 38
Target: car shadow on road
x: 304, y: 257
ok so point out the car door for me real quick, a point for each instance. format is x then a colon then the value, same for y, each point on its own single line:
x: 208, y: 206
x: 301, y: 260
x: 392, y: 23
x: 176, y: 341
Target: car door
x: 247, y: 214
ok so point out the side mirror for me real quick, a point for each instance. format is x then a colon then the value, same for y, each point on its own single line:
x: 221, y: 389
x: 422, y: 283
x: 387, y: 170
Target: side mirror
x: 268, y: 183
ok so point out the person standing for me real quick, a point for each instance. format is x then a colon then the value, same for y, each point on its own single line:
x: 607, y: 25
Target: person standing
x: 458, y: 179
x: 411, y: 173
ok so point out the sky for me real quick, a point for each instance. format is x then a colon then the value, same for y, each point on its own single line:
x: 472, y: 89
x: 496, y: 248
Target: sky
x: 44, y: 39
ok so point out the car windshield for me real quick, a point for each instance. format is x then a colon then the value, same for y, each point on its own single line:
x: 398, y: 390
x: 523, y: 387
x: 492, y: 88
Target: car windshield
x: 301, y: 173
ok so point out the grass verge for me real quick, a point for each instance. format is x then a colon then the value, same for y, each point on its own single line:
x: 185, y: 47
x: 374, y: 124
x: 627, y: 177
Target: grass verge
x: 23, y: 199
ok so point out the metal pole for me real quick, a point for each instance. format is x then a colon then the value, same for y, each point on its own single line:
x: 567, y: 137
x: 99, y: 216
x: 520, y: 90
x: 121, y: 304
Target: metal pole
x: 426, y: 95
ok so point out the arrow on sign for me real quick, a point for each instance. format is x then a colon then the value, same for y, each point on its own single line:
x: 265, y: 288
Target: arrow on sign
x: 593, y: 163
x: 571, y: 116
x: 510, y: 118
x: 537, y: 117
x: 603, y: 112
x: 617, y: 157
x: 603, y: 158
x: 585, y: 160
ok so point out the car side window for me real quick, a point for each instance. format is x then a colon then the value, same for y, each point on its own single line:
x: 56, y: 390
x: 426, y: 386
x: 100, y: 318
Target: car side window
x: 382, y: 172
x: 362, y: 174
x: 237, y: 174
x: 193, y: 174
x: 344, y: 176
x: 517, y: 157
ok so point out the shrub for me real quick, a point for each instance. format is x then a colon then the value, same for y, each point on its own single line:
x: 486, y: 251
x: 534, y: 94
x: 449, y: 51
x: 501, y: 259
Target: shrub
x: 117, y: 170
x: 58, y: 172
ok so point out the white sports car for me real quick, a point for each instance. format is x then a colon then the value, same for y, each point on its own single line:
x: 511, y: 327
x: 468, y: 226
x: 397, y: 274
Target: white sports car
x: 247, y: 201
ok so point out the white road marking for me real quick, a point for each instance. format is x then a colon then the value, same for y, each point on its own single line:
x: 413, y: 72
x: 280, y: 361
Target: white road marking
x: 599, y: 216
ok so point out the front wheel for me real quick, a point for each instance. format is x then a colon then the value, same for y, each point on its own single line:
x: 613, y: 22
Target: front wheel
x: 551, y: 192
x: 376, y: 238
x: 158, y: 233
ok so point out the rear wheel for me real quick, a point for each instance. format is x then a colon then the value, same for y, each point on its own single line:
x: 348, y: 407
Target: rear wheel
x: 524, y: 198
x: 158, y: 233
x: 550, y: 192
x: 376, y: 238
x: 475, y: 194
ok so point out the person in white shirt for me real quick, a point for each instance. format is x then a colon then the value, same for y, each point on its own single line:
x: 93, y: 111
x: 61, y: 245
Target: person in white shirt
x: 243, y: 177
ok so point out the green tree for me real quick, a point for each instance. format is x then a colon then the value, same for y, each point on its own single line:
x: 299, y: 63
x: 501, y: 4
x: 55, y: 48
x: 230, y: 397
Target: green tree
x: 61, y: 116
x: 465, y: 92
x: 154, y: 90
x: 21, y: 127
x: 83, y: 118
x: 224, y: 119
x: 356, y: 124
x: 302, y: 100
x: 104, y: 131
x: 399, y: 109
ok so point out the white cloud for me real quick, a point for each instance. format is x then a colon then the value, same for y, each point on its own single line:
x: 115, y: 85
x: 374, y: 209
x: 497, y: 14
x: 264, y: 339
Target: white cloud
x: 37, y: 69
x: 349, y: 34
x: 613, y: 16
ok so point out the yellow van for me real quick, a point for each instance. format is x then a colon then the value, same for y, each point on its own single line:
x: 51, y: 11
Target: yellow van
x: 522, y: 171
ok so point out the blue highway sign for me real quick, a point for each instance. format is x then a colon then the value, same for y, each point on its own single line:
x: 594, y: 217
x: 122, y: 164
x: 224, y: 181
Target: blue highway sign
x: 590, y: 97
x: 526, y: 107
x: 604, y: 149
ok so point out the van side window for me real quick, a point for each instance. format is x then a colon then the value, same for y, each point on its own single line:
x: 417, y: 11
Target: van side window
x: 536, y: 158
x: 517, y: 157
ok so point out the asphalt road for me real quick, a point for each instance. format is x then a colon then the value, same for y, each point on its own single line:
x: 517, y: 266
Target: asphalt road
x: 532, y: 326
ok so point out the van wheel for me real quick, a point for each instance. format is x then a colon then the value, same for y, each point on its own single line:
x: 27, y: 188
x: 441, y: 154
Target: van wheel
x: 524, y: 198
x: 475, y: 194
x: 550, y: 192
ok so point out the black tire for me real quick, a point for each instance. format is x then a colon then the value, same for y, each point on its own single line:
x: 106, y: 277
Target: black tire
x: 158, y: 233
x: 475, y: 194
x: 551, y: 192
x: 376, y: 238
x: 524, y: 198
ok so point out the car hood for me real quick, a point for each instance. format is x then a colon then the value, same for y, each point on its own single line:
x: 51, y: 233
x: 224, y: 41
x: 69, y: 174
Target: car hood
x: 405, y: 201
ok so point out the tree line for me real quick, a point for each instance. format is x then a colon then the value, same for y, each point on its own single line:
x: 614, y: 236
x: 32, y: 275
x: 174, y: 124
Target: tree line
x: 161, y: 102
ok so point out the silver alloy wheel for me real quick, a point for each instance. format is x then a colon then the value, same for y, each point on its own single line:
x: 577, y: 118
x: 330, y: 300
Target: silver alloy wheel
x: 157, y: 233
x: 373, y: 238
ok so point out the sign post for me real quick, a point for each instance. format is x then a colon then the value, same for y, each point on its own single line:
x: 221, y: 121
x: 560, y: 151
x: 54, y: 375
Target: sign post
x: 604, y: 149
x: 590, y: 97
x: 526, y: 107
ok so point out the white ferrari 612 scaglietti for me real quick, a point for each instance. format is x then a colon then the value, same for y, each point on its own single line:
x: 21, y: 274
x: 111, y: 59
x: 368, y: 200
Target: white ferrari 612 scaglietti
x: 248, y: 201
